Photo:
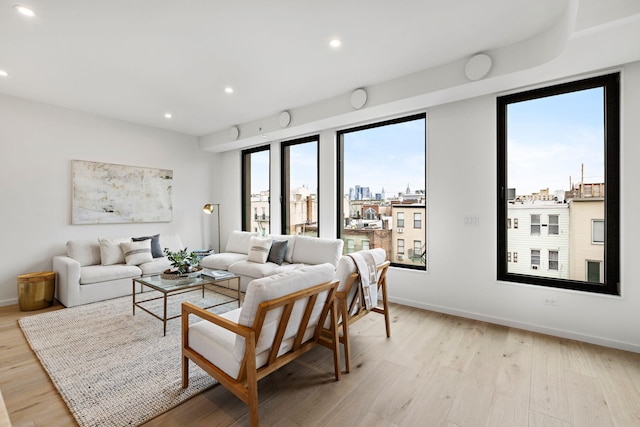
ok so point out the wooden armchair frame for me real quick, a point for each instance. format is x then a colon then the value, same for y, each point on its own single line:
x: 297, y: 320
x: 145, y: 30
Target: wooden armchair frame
x: 245, y: 386
x: 350, y: 311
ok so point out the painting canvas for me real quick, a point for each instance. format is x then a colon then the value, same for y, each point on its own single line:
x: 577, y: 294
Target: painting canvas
x: 105, y: 193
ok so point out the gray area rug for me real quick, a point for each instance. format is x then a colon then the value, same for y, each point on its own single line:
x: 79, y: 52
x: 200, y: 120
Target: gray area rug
x: 113, y: 368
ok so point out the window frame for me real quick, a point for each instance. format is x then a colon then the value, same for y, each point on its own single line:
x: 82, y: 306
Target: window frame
x: 553, y: 229
x: 285, y: 182
x: 246, y: 185
x: 536, y: 224
x: 418, y: 221
x: 611, y: 93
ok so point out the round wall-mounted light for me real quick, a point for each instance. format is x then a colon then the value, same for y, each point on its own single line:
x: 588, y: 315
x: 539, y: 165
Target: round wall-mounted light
x: 228, y: 89
x: 335, y: 43
x: 284, y: 119
x: 358, y: 98
x: 478, y: 66
x: 234, y: 133
x: 4, y: 73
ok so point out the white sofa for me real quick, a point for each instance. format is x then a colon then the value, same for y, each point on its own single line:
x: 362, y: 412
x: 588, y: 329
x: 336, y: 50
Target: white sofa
x: 240, y: 259
x: 97, y: 269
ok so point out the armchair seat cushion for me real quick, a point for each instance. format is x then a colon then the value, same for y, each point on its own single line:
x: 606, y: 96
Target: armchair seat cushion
x: 104, y: 273
x: 215, y: 343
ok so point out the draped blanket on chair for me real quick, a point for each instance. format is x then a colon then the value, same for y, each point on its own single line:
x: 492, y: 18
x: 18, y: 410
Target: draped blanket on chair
x: 366, y: 265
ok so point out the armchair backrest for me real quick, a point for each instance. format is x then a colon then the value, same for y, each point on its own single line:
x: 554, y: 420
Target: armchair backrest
x: 263, y: 312
x: 347, y: 273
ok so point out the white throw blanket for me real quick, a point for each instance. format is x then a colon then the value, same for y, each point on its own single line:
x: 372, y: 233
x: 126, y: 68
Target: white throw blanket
x: 366, y: 265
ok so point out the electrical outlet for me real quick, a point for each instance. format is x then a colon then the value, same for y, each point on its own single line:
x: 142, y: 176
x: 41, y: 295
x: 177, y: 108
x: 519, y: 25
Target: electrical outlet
x: 551, y: 301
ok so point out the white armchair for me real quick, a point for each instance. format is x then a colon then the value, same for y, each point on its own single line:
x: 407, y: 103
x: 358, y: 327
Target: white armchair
x: 281, y: 319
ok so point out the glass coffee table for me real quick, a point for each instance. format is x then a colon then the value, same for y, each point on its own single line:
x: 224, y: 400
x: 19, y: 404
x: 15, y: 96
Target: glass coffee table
x: 210, y: 280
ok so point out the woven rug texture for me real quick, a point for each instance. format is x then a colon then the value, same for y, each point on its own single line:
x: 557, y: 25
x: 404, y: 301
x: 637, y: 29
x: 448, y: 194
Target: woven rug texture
x: 113, y: 368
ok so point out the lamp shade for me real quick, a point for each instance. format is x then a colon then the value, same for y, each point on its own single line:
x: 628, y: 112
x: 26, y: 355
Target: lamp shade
x: 208, y: 209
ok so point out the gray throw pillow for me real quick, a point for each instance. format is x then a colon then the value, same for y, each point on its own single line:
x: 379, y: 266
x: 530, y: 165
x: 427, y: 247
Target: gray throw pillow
x: 278, y: 251
x: 156, y: 250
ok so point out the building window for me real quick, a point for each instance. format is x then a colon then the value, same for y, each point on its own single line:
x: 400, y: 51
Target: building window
x: 508, y: 256
x: 365, y: 245
x: 593, y: 271
x: 515, y: 222
x: 515, y: 257
x: 255, y: 189
x: 508, y: 222
x: 351, y: 246
x: 535, y: 224
x: 400, y: 219
x: 417, y: 248
x: 299, y: 178
x: 597, y: 231
x: 535, y: 258
x: 573, y: 118
x: 553, y: 260
x: 554, y: 225
x: 381, y: 183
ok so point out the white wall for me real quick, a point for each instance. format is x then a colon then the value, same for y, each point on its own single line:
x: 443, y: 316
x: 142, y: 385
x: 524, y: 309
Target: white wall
x: 37, y: 144
x: 461, y: 277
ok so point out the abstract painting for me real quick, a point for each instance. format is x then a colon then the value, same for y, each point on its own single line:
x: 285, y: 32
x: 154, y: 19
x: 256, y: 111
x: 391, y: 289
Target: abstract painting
x: 105, y: 193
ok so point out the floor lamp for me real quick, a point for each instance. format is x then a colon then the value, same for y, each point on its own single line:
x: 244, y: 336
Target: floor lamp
x: 209, y: 209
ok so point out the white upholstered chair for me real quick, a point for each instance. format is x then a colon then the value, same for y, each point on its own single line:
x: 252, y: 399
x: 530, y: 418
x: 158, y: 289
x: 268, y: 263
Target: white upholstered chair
x: 349, y: 298
x: 281, y: 319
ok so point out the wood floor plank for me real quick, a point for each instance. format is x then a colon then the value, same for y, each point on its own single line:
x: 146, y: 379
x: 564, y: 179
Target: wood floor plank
x: 435, y: 370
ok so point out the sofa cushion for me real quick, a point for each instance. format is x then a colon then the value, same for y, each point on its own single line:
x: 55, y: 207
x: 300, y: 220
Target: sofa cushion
x: 271, y: 287
x: 157, y: 266
x: 156, y: 249
x: 314, y: 250
x: 110, y: 251
x: 239, y: 241
x: 253, y: 269
x: 259, y: 249
x: 291, y: 242
x: 104, y: 273
x: 222, y: 261
x: 136, y: 253
x: 86, y: 252
x: 278, y: 251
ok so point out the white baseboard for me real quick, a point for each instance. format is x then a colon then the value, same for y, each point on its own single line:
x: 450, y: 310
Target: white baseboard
x: 606, y: 342
x: 12, y: 301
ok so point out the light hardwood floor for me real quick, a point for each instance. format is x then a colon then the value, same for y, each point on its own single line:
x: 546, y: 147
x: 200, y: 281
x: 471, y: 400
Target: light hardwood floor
x: 435, y: 370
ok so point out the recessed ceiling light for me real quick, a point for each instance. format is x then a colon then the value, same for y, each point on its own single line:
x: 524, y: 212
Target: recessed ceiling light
x: 3, y: 73
x: 335, y: 43
x: 24, y: 10
x: 168, y: 115
x: 228, y: 89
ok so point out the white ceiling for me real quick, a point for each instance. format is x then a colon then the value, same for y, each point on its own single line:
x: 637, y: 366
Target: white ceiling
x: 136, y: 60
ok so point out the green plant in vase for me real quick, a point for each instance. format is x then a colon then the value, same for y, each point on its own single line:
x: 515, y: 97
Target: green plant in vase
x: 183, y: 262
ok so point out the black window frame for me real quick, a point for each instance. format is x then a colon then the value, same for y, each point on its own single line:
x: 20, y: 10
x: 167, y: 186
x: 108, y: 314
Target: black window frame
x: 284, y: 179
x: 611, y: 89
x: 246, y: 185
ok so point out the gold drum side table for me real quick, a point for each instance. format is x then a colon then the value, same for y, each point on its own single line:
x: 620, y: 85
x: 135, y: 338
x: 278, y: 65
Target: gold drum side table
x: 36, y: 290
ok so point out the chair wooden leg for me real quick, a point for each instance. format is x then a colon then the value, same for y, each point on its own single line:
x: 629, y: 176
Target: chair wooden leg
x: 336, y: 341
x: 385, y: 306
x: 185, y: 372
x: 345, y: 340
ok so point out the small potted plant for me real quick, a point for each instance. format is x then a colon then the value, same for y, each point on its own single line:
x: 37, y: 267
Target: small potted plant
x: 183, y: 263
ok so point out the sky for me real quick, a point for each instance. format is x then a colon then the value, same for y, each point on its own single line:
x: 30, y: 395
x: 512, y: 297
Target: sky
x: 550, y: 138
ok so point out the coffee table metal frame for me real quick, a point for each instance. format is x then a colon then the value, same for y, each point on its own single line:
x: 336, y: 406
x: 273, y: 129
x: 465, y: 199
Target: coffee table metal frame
x: 176, y: 287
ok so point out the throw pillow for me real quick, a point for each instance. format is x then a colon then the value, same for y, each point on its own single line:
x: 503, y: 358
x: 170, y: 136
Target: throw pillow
x: 110, y: 251
x: 259, y: 249
x: 156, y: 249
x: 278, y: 251
x: 136, y: 253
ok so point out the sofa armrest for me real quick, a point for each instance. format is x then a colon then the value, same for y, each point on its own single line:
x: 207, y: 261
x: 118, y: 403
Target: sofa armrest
x: 68, y: 286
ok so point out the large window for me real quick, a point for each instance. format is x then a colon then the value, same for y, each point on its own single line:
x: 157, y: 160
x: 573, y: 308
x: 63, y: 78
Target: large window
x: 300, y: 186
x: 382, y: 183
x: 255, y: 190
x: 558, y: 167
